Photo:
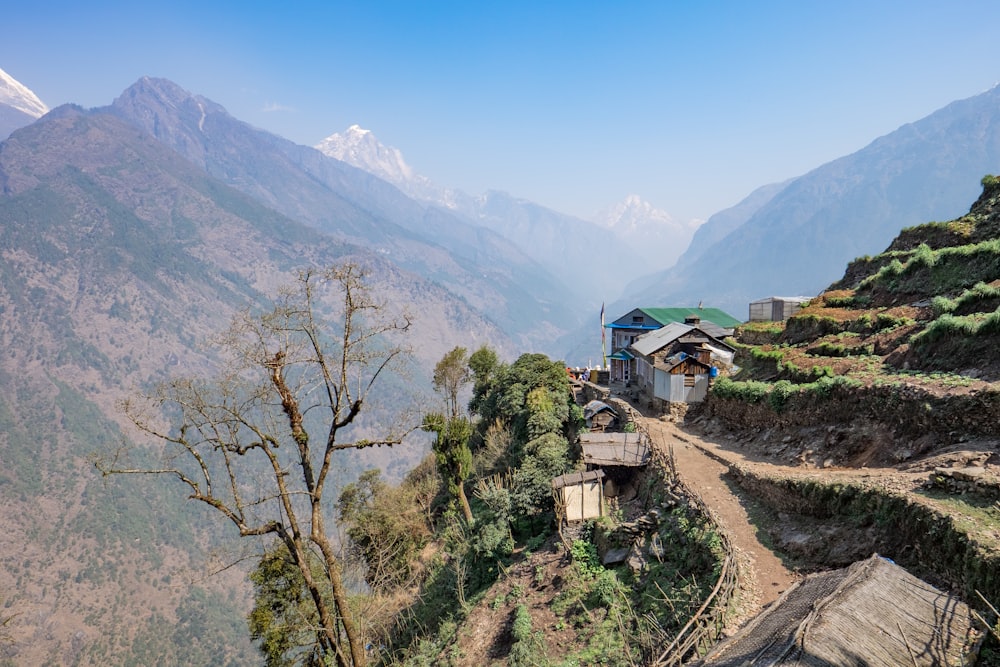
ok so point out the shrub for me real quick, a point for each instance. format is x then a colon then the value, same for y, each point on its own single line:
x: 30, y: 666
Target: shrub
x: 750, y: 391
x: 779, y: 394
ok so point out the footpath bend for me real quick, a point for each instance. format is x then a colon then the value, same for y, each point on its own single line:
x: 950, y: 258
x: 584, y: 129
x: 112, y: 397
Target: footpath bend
x: 702, y: 466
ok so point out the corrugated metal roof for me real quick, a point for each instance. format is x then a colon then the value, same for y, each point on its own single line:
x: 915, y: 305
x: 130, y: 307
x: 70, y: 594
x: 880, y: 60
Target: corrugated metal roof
x: 649, y: 343
x: 790, y: 299
x: 595, y: 406
x: 576, y: 478
x: 615, y: 449
x: 662, y: 316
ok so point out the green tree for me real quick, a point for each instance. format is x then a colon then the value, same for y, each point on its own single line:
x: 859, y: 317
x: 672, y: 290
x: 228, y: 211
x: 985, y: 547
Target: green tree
x: 452, y: 453
x: 283, y: 620
x: 484, y: 364
x: 451, y: 374
x: 388, y: 524
x: 532, y: 399
x: 258, y: 444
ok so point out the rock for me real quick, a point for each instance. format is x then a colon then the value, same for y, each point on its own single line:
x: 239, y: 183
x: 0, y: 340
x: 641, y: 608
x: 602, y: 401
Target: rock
x: 828, y: 463
x: 970, y: 474
x: 615, y: 556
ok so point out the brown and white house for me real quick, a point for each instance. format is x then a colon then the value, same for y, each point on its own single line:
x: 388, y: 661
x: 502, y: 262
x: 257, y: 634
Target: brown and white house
x: 675, y: 363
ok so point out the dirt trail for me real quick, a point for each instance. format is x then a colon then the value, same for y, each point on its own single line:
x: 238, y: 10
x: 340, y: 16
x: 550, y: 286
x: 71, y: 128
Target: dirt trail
x: 704, y: 474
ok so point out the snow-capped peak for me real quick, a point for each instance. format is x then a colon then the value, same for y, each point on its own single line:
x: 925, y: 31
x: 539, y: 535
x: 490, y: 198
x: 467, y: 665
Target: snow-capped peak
x: 652, y: 234
x: 14, y: 94
x: 359, y: 147
x: 631, y: 213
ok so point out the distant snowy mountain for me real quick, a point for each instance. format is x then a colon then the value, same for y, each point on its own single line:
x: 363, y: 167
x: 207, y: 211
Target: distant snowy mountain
x: 15, y: 94
x: 358, y: 147
x: 633, y: 237
x: 18, y: 105
x: 633, y: 214
x: 652, y: 233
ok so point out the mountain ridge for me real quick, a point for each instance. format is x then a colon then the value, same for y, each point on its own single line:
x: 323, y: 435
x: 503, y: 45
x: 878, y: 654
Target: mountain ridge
x: 479, y: 266
x: 796, y: 242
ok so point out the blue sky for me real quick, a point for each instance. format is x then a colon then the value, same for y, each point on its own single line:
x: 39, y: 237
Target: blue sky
x: 574, y: 105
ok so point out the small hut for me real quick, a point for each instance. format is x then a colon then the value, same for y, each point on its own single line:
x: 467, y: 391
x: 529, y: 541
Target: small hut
x: 581, y: 494
x: 871, y: 613
x: 600, y: 416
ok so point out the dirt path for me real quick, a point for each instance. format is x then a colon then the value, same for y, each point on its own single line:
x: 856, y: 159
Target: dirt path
x: 704, y: 474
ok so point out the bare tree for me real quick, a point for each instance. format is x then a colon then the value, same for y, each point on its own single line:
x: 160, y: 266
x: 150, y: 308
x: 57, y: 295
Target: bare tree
x: 258, y: 443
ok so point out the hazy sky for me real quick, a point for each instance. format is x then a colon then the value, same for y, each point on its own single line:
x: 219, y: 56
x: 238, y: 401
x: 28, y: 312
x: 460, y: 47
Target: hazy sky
x: 574, y: 105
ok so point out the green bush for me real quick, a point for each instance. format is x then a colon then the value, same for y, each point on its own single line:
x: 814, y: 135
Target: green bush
x: 780, y: 393
x: 750, y: 391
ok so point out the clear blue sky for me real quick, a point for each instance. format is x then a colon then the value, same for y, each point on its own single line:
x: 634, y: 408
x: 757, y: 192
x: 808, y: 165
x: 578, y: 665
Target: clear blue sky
x: 574, y: 105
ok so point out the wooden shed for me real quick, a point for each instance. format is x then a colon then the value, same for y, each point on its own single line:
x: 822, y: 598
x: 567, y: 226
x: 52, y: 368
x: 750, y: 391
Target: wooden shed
x: 600, y: 416
x: 581, y: 494
x: 871, y: 613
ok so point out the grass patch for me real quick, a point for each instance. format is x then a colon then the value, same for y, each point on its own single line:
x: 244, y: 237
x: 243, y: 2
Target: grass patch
x: 948, y: 269
x: 969, y: 301
x: 952, y: 326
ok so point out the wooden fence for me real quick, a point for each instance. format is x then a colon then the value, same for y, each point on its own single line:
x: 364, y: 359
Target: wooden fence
x: 703, y: 630
x: 705, y: 627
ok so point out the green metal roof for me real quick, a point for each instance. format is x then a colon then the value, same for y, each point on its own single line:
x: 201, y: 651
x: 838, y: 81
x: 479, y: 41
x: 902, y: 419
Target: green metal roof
x: 714, y: 315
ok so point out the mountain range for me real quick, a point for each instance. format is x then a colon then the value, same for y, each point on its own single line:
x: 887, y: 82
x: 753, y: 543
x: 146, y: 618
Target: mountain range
x: 123, y: 250
x: 597, y: 257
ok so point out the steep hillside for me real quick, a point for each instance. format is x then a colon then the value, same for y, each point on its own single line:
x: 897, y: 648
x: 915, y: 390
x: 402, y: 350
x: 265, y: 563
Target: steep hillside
x: 866, y: 423
x: 118, y: 259
x: 491, y: 274
x: 894, y: 363
x: 798, y: 242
